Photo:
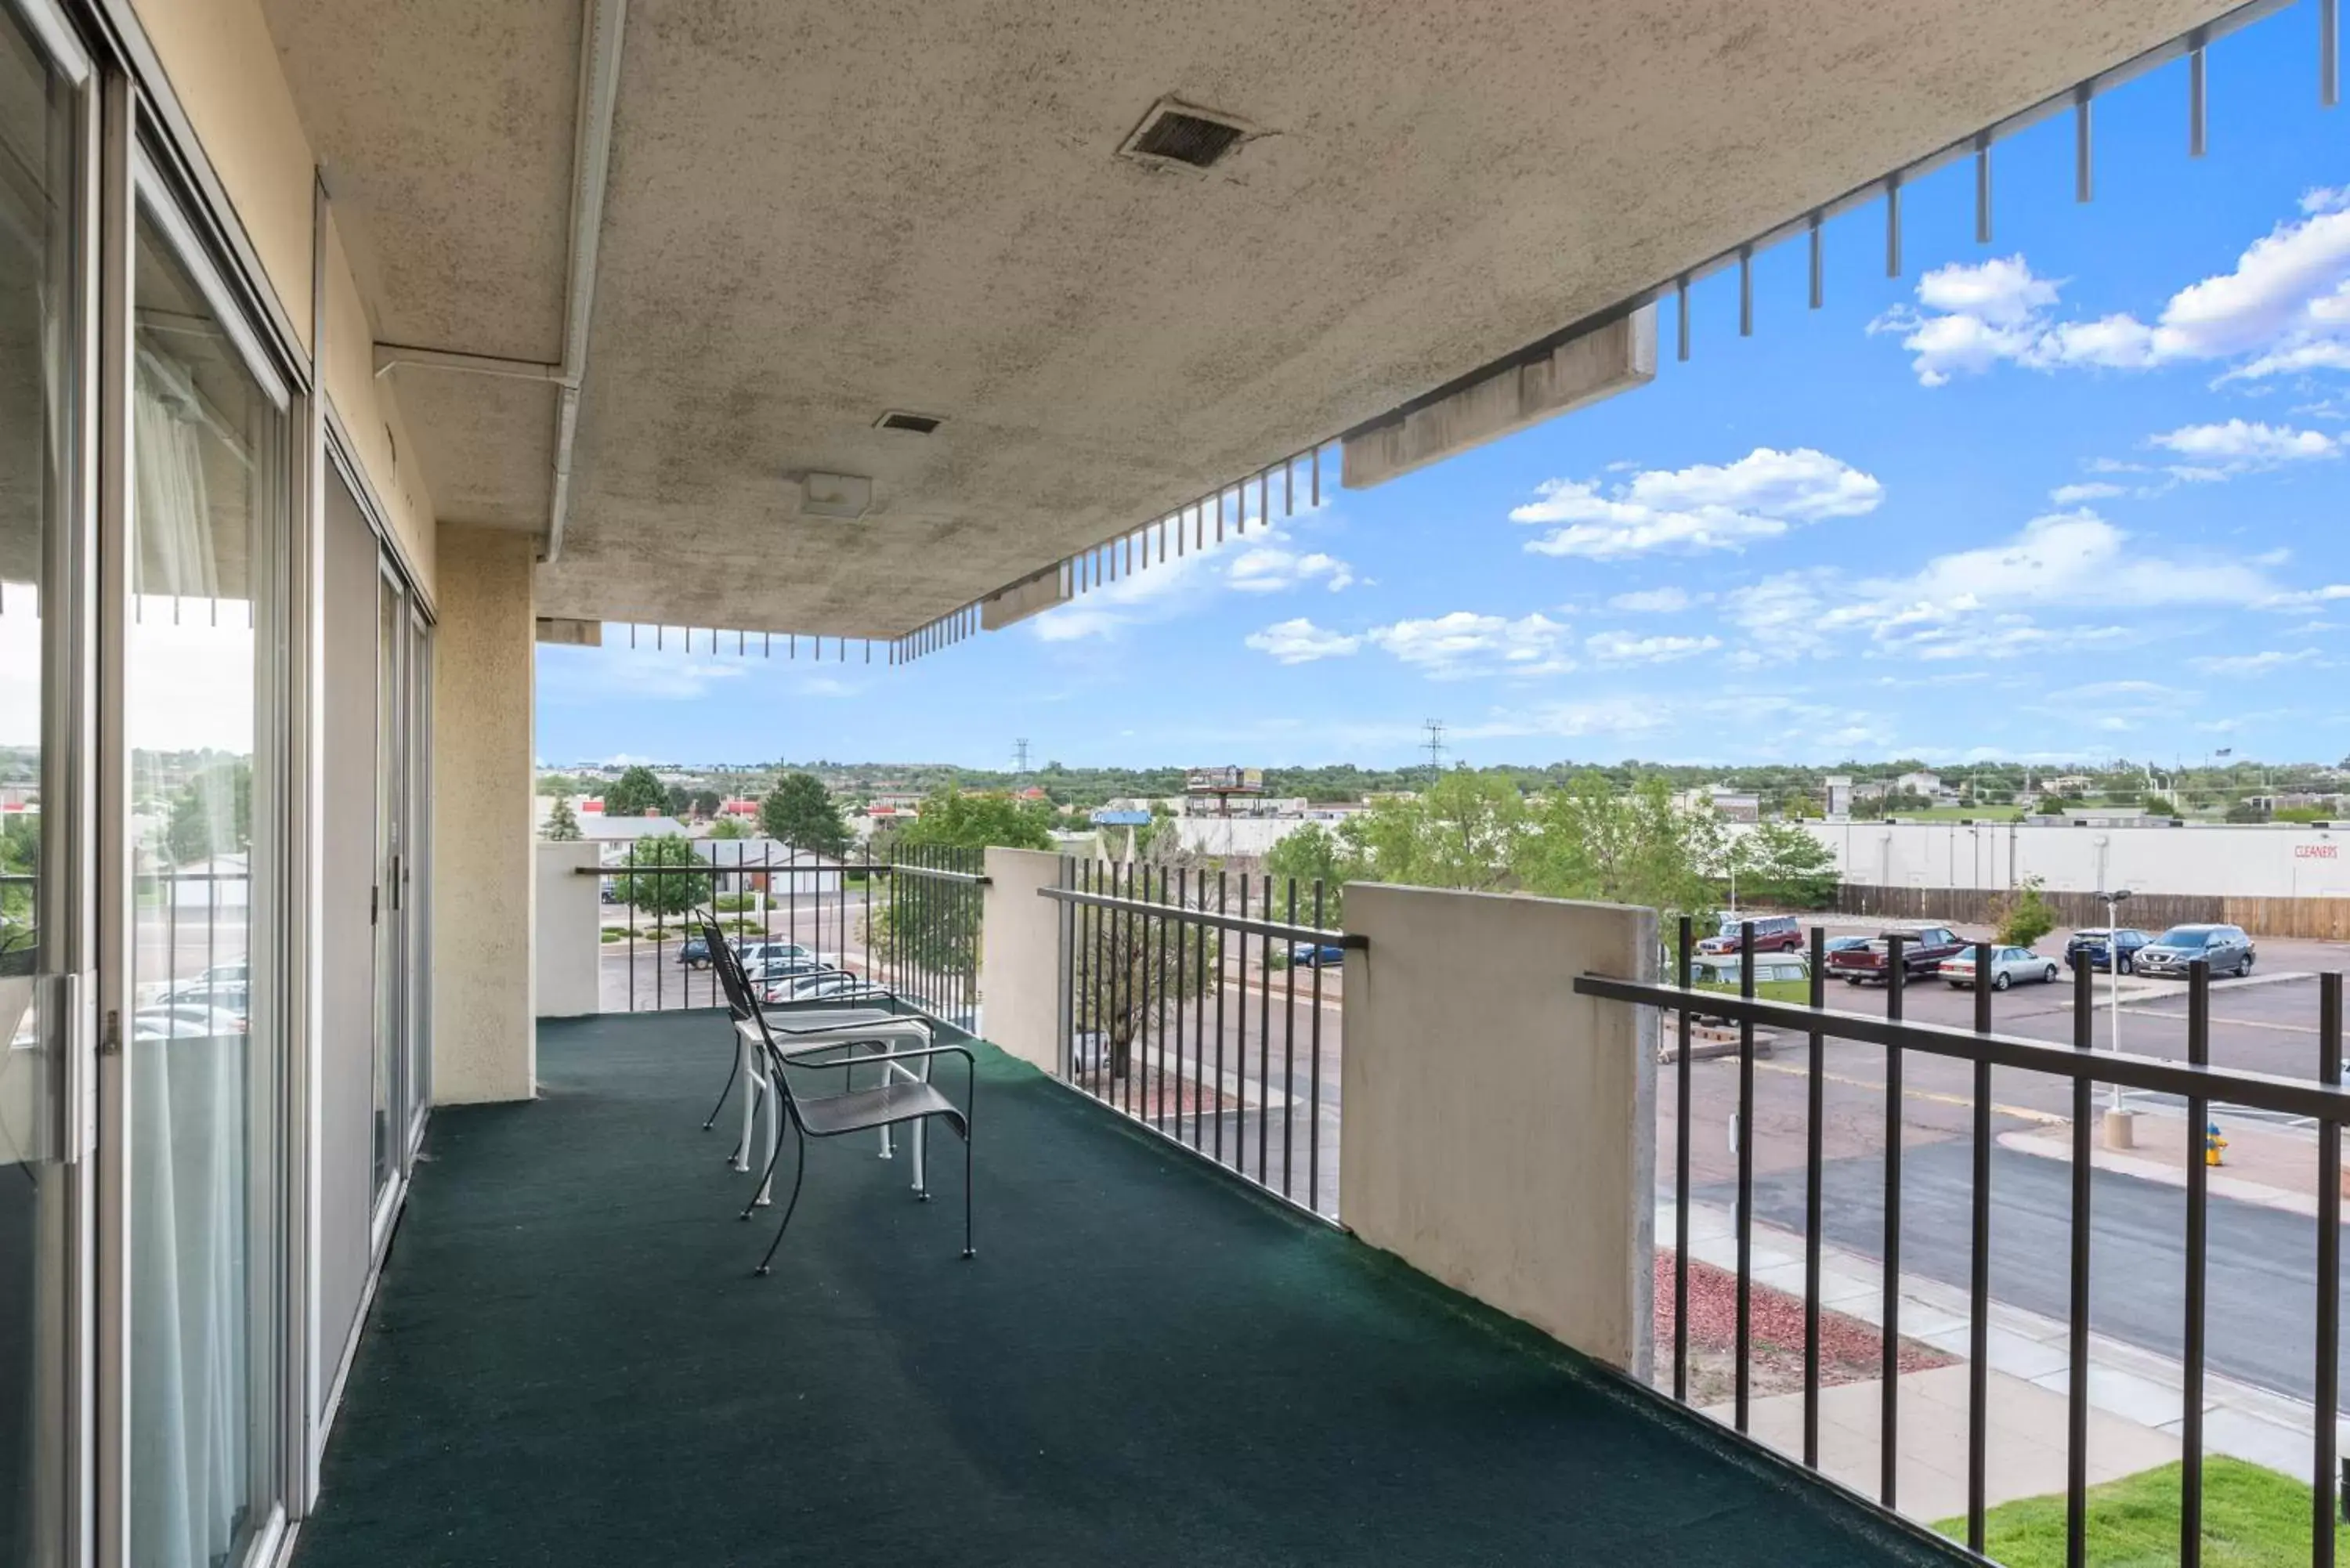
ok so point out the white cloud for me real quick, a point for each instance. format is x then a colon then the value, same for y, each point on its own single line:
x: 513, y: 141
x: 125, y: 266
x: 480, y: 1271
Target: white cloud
x: 2095, y: 489
x: 1162, y: 592
x: 1706, y: 506
x: 2242, y: 442
x: 2325, y: 198
x: 1272, y: 566
x: 1652, y: 601
x: 1300, y: 642
x: 2254, y: 663
x: 594, y: 676
x: 1624, y: 648
x: 2305, y: 599
x: 1462, y: 644
x: 2285, y: 306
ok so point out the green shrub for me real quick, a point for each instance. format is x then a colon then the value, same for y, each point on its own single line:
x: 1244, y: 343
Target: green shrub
x: 2026, y: 918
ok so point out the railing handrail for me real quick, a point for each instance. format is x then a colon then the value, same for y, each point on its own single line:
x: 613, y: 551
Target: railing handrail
x: 2236, y: 1086
x: 1276, y: 928
x: 738, y: 867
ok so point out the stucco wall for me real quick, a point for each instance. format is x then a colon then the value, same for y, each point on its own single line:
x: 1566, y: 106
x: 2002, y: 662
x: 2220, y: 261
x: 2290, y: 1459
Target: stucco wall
x: 567, y: 933
x: 1500, y: 1131
x: 1020, y: 956
x: 485, y: 1040
x: 371, y: 414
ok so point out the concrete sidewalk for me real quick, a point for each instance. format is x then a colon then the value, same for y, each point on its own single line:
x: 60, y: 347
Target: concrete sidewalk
x: 2128, y: 1385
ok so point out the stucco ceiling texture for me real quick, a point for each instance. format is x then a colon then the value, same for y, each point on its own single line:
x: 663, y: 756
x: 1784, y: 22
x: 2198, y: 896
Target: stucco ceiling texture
x: 819, y: 211
x: 445, y: 130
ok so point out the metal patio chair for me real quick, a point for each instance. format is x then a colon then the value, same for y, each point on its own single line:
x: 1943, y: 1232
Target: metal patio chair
x: 811, y: 1029
x: 893, y: 1104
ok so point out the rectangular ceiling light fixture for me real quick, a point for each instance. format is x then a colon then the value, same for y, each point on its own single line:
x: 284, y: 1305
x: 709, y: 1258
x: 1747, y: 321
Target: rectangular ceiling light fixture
x: 849, y: 495
x: 1178, y: 135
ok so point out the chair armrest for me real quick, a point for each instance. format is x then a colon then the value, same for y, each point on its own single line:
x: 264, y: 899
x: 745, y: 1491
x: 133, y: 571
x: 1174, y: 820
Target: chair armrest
x: 804, y: 1058
x: 801, y: 1058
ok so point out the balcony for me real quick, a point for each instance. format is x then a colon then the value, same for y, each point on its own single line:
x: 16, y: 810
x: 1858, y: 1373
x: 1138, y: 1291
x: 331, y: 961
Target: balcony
x: 568, y: 1361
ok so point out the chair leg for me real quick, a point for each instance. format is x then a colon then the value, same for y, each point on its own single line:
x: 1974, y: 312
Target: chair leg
x: 799, y: 1171
x: 732, y: 1074
x: 758, y: 1195
x: 742, y: 1160
x: 966, y: 1188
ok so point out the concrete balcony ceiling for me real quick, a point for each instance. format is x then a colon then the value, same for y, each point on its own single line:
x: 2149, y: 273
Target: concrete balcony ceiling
x: 820, y: 212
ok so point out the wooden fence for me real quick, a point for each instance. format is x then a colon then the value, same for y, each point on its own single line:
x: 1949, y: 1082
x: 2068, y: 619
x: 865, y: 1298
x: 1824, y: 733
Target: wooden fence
x: 2326, y: 919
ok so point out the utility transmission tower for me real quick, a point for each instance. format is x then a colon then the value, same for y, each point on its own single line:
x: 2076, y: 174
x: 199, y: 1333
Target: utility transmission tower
x: 1434, y: 745
x: 1020, y: 757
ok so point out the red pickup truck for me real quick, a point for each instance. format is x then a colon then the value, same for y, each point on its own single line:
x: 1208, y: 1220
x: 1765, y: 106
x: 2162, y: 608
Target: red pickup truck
x: 1922, y: 953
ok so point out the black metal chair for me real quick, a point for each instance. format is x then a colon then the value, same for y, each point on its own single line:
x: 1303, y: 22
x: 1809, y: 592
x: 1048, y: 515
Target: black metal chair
x: 893, y: 1104
x: 742, y: 995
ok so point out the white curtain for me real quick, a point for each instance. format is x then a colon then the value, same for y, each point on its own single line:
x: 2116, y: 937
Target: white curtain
x: 190, y: 1415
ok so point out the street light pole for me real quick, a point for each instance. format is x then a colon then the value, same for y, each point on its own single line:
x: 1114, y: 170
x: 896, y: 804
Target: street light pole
x: 2113, y: 901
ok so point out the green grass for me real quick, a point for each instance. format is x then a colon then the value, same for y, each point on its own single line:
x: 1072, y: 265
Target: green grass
x: 2253, y: 1518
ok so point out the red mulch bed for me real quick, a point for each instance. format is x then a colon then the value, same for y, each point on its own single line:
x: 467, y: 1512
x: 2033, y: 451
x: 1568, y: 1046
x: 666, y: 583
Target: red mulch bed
x: 1143, y: 1094
x: 1850, y: 1350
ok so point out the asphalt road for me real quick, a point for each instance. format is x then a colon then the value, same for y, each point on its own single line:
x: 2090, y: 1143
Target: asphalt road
x: 2261, y: 1304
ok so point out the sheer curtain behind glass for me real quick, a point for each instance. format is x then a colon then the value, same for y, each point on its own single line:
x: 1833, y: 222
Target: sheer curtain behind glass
x: 38, y: 160
x: 203, y: 1065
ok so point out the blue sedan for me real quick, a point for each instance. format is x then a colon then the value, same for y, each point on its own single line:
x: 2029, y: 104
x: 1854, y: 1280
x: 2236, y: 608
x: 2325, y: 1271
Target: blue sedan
x: 1311, y: 955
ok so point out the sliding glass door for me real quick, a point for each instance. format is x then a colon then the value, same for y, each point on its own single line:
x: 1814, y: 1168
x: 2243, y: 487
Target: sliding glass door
x: 45, y: 143
x: 203, y: 1134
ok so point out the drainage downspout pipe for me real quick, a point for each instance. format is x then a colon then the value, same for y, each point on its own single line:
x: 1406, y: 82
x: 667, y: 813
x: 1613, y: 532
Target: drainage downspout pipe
x: 591, y: 162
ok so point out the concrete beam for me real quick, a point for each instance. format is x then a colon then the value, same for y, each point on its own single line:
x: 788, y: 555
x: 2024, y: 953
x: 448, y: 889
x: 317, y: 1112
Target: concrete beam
x: 1499, y: 1130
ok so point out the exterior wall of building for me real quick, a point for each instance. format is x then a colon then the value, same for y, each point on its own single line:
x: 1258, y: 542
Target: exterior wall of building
x: 567, y: 942
x: 223, y: 67
x: 2218, y: 861
x: 1499, y: 1130
x: 1020, y: 956
x: 484, y: 1039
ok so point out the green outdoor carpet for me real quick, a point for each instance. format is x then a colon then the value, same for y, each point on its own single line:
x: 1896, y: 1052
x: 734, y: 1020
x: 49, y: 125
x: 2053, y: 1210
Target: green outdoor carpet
x: 569, y: 1363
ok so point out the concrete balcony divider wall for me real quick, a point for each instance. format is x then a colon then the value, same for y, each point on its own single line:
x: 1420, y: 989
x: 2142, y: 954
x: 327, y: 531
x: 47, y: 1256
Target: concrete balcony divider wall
x: 568, y: 946
x: 1500, y: 1131
x: 1020, y: 956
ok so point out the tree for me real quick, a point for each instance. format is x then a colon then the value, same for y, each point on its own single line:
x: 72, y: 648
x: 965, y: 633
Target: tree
x: 558, y: 784
x: 706, y: 802
x: 672, y: 894
x: 1460, y: 832
x: 1789, y: 867
x: 212, y: 815
x: 800, y: 812
x: 977, y: 820
x: 730, y: 827
x: 1131, y: 971
x: 1593, y: 842
x: 2026, y: 918
x: 1314, y: 854
x: 562, y: 823
x: 635, y: 793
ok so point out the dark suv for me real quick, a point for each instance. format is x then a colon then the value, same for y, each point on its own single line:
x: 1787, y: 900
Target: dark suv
x: 2096, y: 948
x: 2225, y: 947
x: 1773, y: 934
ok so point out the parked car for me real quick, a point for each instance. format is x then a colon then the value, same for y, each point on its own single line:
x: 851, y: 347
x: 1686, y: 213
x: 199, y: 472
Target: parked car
x: 694, y: 952
x: 1922, y: 952
x: 2225, y: 947
x: 1778, y: 977
x: 184, y: 1020
x: 759, y: 950
x: 1773, y: 934
x: 2091, y: 947
x: 226, y: 996
x: 835, y: 985
x: 1313, y: 955
x: 769, y: 971
x: 2009, y: 966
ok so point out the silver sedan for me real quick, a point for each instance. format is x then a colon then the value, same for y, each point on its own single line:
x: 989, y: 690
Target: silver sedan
x: 2009, y: 966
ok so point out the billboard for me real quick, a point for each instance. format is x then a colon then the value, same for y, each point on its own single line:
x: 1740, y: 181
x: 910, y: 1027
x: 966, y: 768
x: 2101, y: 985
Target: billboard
x: 1225, y: 780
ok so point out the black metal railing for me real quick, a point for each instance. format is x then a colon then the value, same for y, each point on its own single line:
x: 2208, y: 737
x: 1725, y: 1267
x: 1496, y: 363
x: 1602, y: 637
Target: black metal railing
x: 930, y: 930
x: 2321, y: 1101
x: 1181, y: 1006
x: 809, y: 926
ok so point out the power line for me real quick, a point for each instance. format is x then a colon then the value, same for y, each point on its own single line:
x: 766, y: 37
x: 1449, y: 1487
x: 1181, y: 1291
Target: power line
x: 1434, y: 745
x: 1020, y: 755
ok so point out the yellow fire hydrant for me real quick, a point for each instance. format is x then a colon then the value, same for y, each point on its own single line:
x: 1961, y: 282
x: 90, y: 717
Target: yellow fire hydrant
x: 2212, y: 1144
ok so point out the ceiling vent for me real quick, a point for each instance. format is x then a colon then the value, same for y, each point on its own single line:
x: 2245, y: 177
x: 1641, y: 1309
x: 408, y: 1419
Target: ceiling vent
x: 1178, y: 135
x: 912, y: 424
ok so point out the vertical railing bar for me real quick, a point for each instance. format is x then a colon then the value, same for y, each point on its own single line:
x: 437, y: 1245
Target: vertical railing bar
x: 1681, y: 1175
x: 1158, y: 1014
x: 1288, y: 1043
x: 2329, y: 1276
x: 1813, y: 1166
x: 1979, y: 1275
x: 1313, y: 1070
x: 1264, y: 1032
x: 2076, y: 1396
x: 2191, y: 1424
x: 1222, y: 906
x: 1175, y: 984
x: 1897, y: 975
x: 1745, y: 1333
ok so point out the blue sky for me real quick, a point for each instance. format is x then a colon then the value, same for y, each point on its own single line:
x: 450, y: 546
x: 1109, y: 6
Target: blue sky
x: 2078, y: 494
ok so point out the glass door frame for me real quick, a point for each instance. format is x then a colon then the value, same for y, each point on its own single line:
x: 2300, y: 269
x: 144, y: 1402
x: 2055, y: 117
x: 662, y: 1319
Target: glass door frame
x: 67, y: 912
x: 138, y: 176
